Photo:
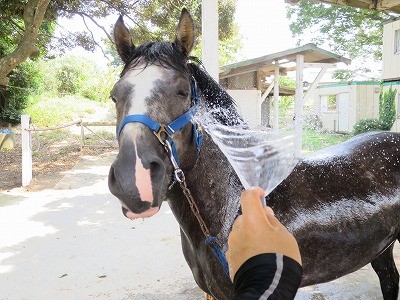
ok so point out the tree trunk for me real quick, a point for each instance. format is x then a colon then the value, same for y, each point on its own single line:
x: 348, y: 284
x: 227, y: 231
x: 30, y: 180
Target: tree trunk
x: 33, y: 17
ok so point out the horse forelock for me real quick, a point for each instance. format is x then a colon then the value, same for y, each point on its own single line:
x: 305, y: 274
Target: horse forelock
x: 165, y: 54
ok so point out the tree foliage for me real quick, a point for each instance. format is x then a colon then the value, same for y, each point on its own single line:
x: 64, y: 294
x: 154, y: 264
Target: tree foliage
x: 387, y: 109
x: 348, y: 31
x: 387, y: 114
x: 27, y: 26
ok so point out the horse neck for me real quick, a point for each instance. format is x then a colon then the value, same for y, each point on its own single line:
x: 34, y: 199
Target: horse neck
x: 216, y: 190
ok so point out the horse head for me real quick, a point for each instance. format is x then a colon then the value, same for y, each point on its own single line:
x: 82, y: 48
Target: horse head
x: 154, y: 90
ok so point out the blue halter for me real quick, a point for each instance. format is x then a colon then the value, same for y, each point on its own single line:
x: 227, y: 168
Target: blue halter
x: 162, y: 130
x: 165, y: 134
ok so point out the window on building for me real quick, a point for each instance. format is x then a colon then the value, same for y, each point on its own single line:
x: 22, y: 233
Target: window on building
x: 397, y: 41
x: 328, y: 103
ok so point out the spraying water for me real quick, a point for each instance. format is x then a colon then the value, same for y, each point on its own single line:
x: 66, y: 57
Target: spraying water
x: 262, y: 157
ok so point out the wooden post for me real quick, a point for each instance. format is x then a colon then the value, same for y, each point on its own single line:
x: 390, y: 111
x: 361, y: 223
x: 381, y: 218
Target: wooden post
x: 82, y: 135
x: 209, y: 15
x: 298, y: 103
x: 276, y: 96
x: 26, y: 150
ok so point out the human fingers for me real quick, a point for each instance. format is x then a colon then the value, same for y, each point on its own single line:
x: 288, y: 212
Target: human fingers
x: 251, y: 204
x: 268, y: 211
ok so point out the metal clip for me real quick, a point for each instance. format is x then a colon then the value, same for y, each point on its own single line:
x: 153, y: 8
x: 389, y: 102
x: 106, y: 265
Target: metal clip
x: 162, y: 134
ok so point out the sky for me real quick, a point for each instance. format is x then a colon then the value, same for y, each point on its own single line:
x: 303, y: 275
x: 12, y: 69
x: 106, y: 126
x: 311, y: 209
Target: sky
x: 264, y: 27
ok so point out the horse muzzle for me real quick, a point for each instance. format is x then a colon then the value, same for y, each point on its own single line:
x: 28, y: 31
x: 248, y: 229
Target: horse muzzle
x: 146, y: 214
x: 137, y: 183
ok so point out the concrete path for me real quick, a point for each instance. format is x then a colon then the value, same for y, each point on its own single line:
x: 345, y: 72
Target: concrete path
x: 72, y: 242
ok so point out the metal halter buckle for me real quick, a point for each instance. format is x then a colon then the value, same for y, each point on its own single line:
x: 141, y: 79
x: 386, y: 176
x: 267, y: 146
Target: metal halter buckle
x: 162, y: 133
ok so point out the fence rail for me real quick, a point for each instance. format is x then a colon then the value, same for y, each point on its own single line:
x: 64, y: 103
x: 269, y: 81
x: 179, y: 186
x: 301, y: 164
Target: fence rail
x: 26, y: 140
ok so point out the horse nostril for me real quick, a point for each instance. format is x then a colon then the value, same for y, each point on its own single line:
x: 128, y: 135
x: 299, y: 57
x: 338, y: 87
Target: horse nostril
x: 111, y: 178
x: 157, y: 170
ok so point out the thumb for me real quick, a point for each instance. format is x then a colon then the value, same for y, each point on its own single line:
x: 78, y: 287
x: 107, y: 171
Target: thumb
x: 251, y: 203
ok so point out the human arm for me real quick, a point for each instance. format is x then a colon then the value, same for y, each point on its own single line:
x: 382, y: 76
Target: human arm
x: 263, y: 256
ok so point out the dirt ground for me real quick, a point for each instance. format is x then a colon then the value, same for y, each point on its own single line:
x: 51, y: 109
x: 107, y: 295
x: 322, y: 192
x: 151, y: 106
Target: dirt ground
x: 53, y: 154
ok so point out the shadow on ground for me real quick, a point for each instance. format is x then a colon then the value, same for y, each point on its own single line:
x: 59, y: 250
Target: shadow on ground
x: 72, y: 242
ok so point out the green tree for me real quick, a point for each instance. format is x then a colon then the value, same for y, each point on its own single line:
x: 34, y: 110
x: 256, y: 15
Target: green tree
x: 349, y: 31
x: 27, y: 26
x: 387, y: 109
x: 156, y: 20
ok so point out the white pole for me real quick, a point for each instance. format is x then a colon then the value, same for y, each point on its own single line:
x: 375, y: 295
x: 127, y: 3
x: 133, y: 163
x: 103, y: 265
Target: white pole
x: 299, y: 102
x: 26, y: 150
x: 209, y: 15
x: 276, y: 95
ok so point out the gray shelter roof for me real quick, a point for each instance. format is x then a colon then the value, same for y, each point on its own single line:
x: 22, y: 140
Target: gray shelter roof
x: 382, y: 5
x: 265, y: 65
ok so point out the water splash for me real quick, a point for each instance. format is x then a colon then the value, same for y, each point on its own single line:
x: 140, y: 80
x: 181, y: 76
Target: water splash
x: 261, y: 158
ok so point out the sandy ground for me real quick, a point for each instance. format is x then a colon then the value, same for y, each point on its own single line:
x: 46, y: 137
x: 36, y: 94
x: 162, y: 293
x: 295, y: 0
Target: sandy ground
x: 72, y: 242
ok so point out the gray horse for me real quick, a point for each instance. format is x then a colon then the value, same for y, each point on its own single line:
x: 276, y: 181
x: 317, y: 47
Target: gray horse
x: 342, y: 203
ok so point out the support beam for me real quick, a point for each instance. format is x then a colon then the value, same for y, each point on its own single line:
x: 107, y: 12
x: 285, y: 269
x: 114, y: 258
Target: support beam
x: 299, y: 103
x: 315, y: 83
x: 266, y: 93
x: 210, y: 37
x: 276, y: 96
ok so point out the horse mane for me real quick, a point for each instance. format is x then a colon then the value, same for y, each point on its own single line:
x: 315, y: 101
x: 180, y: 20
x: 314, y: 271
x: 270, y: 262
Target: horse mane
x: 221, y: 105
x: 217, y: 100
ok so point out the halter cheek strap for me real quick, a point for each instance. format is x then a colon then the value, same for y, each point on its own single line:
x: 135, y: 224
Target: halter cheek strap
x: 165, y: 132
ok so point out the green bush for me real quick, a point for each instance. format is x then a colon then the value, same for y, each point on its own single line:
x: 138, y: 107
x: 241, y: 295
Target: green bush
x: 24, y: 80
x: 387, y: 109
x: 366, y: 125
x: 73, y: 75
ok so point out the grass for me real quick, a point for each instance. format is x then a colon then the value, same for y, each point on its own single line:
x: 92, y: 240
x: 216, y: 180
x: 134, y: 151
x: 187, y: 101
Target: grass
x: 54, y: 111
x: 315, y: 140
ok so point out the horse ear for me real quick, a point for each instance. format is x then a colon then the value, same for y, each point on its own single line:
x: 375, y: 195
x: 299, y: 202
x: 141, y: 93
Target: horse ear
x: 123, y: 41
x: 185, y: 32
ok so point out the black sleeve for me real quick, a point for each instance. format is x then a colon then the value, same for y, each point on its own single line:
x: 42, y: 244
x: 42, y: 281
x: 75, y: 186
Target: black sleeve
x: 268, y: 276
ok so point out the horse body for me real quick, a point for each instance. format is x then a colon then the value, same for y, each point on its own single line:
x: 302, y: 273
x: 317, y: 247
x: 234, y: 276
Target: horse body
x: 342, y: 203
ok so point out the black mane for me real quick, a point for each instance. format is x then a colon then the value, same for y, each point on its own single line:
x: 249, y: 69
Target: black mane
x: 217, y: 100
x: 168, y: 55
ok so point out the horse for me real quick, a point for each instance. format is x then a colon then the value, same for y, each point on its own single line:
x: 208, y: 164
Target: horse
x: 341, y: 203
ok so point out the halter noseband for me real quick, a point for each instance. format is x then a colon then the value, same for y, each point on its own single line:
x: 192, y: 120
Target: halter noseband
x: 165, y: 133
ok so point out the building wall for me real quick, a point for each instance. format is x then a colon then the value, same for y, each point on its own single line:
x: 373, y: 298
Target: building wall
x: 363, y: 103
x: 247, y: 81
x: 391, y: 60
x: 248, y: 105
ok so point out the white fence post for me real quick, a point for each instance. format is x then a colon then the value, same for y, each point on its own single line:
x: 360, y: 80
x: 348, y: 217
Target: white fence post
x: 26, y: 150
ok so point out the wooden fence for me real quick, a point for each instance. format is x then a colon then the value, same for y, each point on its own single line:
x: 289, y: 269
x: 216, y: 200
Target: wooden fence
x: 26, y: 141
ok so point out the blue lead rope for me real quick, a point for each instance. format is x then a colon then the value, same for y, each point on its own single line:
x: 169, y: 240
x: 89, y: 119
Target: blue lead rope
x: 212, y: 242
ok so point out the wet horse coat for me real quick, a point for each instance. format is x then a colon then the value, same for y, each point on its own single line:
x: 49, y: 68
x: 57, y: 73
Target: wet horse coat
x: 342, y: 203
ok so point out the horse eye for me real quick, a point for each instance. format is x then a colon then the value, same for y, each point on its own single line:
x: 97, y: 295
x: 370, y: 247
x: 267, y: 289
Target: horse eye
x: 113, y: 99
x: 183, y: 94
